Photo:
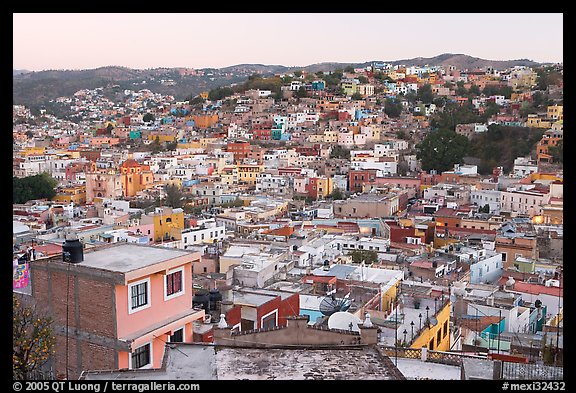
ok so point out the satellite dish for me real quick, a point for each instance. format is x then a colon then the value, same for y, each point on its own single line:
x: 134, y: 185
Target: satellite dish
x: 433, y: 321
x: 331, y: 304
x: 343, y: 320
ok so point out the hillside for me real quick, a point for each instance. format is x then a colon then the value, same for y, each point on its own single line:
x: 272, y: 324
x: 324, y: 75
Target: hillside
x: 36, y: 88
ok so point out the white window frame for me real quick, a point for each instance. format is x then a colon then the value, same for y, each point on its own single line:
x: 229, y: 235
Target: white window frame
x: 177, y: 294
x: 183, y: 328
x: 275, y: 311
x: 149, y: 365
x: 148, y: 291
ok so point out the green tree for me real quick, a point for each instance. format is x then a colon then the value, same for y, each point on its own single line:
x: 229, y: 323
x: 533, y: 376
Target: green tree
x: 362, y: 79
x: 474, y: 90
x: 156, y: 146
x: 392, y: 108
x: 32, y: 339
x: 336, y: 194
x: 526, y: 109
x: 33, y: 187
x: 349, y: 69
x: 356, y: 96
x: 301, y: 92
x: 454, y: 114
x: 298, y: 73
x: 148, y: 117
x: 220, y: 93
x: 442, y: 149
x: 557, y: 152
x: 368, y: 256
x: 339, y: 151
x: 173, y: 196
x: 425, y: 94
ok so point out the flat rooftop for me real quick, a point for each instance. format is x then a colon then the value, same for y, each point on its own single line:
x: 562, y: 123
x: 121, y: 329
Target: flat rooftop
x: 208, y: 362
x: 126, y: 257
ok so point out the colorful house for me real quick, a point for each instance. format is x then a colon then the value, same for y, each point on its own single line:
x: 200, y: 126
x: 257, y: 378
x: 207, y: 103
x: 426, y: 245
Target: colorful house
x: 116, y: 307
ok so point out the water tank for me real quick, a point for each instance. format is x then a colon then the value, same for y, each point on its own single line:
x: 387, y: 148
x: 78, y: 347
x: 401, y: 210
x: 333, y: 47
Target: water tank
x: 201, y: 299
x: 72, y: 251
x: 215, y: 299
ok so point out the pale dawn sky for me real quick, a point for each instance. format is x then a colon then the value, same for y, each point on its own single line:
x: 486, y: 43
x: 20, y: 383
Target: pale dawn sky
x: 215, y: 40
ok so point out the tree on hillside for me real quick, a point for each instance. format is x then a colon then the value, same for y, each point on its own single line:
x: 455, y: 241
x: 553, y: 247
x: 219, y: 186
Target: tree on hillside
x: 454, y: 114
x: 356, y: 96
x: 557, y: 152
x: 301, y: 92
x: 339, y: 151
x: 425, y: 94
x: 32, y: 339
x: 33, y: 187
x: 336, y: 194
x: 441, y: 149
x: 349, y: 69
x: 173, y: 196
x: 148, y: 117
x: 392, y: 108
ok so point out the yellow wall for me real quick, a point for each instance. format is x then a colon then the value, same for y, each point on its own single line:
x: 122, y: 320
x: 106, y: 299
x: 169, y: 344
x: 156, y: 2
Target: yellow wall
x: 161, y: 226
x: 326, y: 185
x: 189, y: 145
x: 34, y: 150
x: 389, y: 296
x: 162, y: 138
x: 423, y: 340
x: 75, y: 195
x: 249, y: 173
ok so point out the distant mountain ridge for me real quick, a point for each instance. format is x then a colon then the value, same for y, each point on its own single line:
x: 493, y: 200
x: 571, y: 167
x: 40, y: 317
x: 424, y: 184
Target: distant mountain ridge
x: 35, y: 87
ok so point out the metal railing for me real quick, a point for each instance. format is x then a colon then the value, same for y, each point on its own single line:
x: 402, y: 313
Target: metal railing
x: 531, y: 371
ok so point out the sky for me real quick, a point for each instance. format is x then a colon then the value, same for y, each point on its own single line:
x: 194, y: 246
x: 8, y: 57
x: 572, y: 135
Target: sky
x: 43, y: 41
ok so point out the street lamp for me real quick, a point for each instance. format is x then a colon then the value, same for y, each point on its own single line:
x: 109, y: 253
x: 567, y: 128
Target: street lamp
x: 420, y: 316
x: 404, y: 333
x: 427, y: 308
x: 412, y: 327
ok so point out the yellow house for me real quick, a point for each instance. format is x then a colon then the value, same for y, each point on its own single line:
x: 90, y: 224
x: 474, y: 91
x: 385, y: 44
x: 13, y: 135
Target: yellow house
x: 204, y: 142
x: 534, y: 121
x: 166, y: 221
x: 331, y: 136
x: 316, y: 138
x: 435, y: 335
x: 349, y: 88
x: 162, y: 138
x: 204, y: 95
x: 555, y: 112
x: 249, y: 173
x: 229, y: 175
x: 32, y: 150
x: 73, y: 194
x: 189, y: 145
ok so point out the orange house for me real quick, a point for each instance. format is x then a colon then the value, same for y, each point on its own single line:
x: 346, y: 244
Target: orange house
x: 120, y: 304
x: 135, y: 176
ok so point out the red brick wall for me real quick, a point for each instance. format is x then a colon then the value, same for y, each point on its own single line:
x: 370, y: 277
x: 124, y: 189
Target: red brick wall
x: 96, y: 319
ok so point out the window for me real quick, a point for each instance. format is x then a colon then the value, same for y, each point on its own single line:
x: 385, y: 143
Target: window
x: 438, y: 337
x: 174, y: 283
x: 177, y: 337
x: 140, y: 358
x: 431, y: 344
x: 138, y: 293
x: 445, y: 328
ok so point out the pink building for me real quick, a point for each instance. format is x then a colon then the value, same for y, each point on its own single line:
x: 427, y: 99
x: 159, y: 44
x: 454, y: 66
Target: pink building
x: 124, y: 302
